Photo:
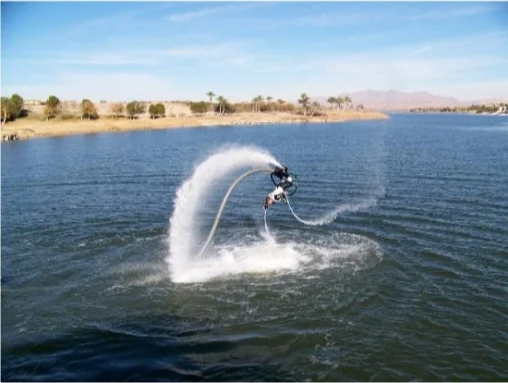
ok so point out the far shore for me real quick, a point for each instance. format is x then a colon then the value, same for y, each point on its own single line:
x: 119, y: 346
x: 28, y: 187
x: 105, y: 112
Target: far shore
x: 32, y: 128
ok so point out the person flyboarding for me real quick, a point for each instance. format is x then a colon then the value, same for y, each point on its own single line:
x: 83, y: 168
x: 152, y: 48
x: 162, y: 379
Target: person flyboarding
x: 286, y: 181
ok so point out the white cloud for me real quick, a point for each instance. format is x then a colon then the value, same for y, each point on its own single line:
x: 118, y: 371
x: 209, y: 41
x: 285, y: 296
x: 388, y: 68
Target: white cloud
x: 428, y: 59
x: 187, y: 16
x: 105, y: 59
x: 406, y: 66
x: 204, y: 12
x: 100, y: 86
x: 324, y: 19
x: 344, y: 18
x: 199, y: 51
x: 448, y: 13
x: 232, y: 53
x: 420, y: 50
x: 119, y: 22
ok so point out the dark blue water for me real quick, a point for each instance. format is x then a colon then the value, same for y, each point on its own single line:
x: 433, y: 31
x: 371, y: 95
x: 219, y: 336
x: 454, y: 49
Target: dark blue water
x: 414, y: 287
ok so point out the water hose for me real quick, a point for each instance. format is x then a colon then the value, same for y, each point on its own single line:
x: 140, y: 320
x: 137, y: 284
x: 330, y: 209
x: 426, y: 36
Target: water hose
x: 298, y: 218
x: 225, y: 199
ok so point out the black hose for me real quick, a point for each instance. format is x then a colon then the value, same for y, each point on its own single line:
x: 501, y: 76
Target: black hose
x: 275, y: 183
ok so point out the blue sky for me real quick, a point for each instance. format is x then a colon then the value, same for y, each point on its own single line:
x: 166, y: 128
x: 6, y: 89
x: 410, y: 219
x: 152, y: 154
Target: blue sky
x: 181, y: 50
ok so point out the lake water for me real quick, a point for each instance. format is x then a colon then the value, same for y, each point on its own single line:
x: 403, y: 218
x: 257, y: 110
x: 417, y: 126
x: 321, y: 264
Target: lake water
x: 408, y: 282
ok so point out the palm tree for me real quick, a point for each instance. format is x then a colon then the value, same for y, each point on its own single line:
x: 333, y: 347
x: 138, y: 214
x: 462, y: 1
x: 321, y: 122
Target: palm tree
x: 347, y: 100
x: 339, y: 101
x: 222, y: 101
x: 280, y: 102
x: 211, y: 95
x: 256, y: 100
x: 269, y: 99
x: 260, y: 100
x: 304, y: 100
x: 315, y: 107
x: 332, y: 100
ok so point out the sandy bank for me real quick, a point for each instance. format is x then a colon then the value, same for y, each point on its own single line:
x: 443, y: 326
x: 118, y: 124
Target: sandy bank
x: 30, y: 128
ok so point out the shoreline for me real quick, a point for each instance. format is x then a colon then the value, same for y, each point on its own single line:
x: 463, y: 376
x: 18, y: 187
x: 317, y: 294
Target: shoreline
x: 28, y: 128
x: 471, y: 113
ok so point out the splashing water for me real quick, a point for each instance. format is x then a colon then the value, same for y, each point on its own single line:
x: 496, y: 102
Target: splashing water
x: 188, y: 197
x: 246, y: 253
x: 267, y: 258
x: 332, y: 215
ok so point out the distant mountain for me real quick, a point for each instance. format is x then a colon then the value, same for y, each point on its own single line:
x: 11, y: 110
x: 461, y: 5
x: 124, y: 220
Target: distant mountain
x: 395, y: 100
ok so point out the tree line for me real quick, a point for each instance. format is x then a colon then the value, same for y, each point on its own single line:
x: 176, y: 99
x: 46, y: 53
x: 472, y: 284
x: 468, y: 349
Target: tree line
x: 261, y: 104
x: 13, y: 107
x: 340, y: 102
x: 501, y: 108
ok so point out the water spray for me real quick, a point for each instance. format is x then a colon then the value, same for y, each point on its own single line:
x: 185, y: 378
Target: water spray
x: 332, y: 215
x: 189, y: 265
x: 190, y: 197
x: 225, y: 199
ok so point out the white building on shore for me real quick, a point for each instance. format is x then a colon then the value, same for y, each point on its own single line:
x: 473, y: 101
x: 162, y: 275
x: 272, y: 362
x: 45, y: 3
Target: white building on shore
x: 32, y: 102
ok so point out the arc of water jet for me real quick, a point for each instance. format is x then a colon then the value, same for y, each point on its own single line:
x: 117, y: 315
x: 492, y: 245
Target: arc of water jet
x: 225, y: 199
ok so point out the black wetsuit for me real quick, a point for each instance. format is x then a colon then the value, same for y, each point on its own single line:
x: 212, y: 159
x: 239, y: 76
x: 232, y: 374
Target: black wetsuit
x: 280, y: 172
x: 283, y: 175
